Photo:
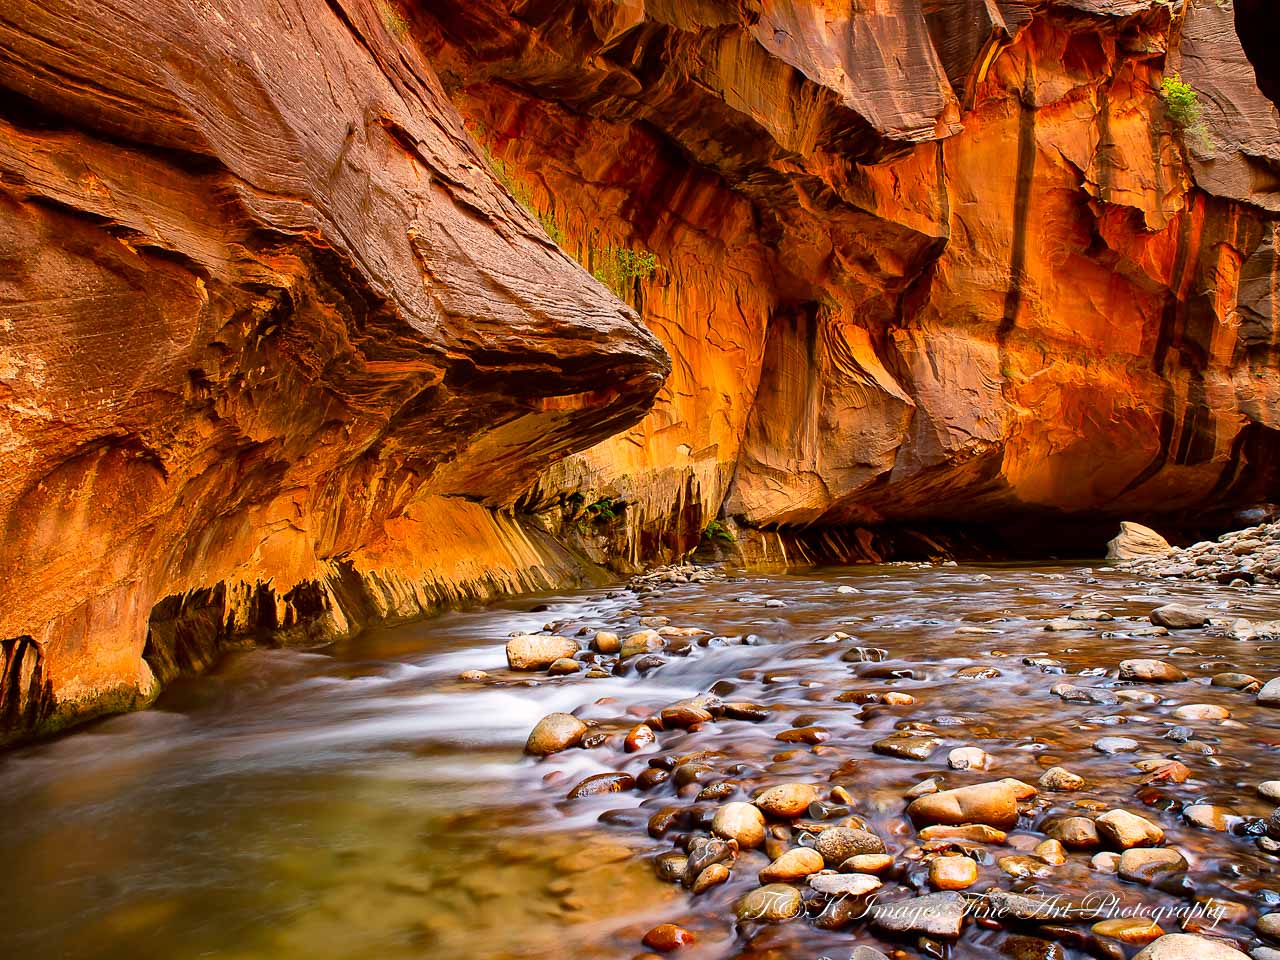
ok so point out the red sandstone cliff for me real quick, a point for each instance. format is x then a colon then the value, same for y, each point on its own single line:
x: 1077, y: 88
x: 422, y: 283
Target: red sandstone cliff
x: 271, y: 336
x: 279, y: 355
x: 940, y: 260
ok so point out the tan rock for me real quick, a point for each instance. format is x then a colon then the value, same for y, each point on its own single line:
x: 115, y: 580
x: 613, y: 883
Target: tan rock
x: 1122, y: 829
x: 555, y: 732
x: 994, y: 804
x: 538, y: 652
x: 739, y: 821
x: 787, y: 801
x: 796, y: 863
x: 953, y: 873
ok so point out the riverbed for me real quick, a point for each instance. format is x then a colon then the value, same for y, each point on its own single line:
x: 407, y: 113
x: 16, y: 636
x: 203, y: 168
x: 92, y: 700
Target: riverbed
x: 363, y: 801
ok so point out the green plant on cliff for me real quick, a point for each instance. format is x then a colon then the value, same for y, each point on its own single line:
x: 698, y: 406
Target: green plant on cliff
x: 1183, y: 103
x: 717, y: 531
x: 392, y: 19
x: 618, y: 268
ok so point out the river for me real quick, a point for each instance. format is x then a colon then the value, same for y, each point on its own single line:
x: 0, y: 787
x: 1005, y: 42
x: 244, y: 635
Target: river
x: 362, y: 801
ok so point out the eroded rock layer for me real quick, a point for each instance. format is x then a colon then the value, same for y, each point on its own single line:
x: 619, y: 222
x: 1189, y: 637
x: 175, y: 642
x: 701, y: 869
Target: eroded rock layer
x: 916, y: 262
x: 283, y: 351
x: 274, y: 341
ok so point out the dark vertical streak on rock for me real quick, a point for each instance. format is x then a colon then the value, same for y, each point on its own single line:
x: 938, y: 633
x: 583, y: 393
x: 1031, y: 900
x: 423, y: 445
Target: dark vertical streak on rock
x: 1021, y: 204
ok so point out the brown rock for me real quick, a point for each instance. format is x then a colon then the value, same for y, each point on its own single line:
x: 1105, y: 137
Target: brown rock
x: 787, y: 801
x: 739, y: 821
x: 667, y: 937
x: 994, y: 804
x: 953, y: 873
x: 1123, y: 830
x: 555, y: 732
x: 639, y: 737
x: 1150, y: 671
x: 602, y: 783
x: 537, y: 652
x: 1135, y: 541
x: 796, y: 863
x: 838, y: 844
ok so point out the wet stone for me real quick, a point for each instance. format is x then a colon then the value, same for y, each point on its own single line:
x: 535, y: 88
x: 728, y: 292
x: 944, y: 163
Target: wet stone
x: 667, y: 937
x: 1150, y: 864
x: 795, y: 864
x: 773, y: 903
x: 840, y: 843
x: 1150, y: 671
x: 1181, y: 946
x: 787, y: 801
x: 845, y: 884
x: 1113, y: 745
x: 1031, y: 948
x: 555, y: 732
x: 602, y: 783
x: 936, y: 914
x: 907, y: 747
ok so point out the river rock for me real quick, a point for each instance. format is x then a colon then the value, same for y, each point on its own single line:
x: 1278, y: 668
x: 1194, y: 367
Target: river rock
x: 602, y: 783
x: 1149, y: 864
x: 935, y: 914
x: 671, y: 865
x: 907, y: 747
x: 667, y: 937
x: 953, y: 873
x: 1182, y: 946
x: 772, y: 903
x: 1269, y: 695
x: 639, y: 737
x: 840, y: 843
x: 1113, y: 745
x: 1208, y: 816
x: 796, y: 863
x: 644, y: 641
x: 969, y: 758
x: 1078, y: 833
x: 1123, y: 829
x: 845, y: 884
x: 1150, y: 671
x: 1135, y: 541
x: 527, y: 652
x: 711, y: 876
x: 1270, y: 790
x: 1176, y: 616
x: 682, y: 716
x: 787, y: 801
x: 1202, y: 711
x: 606, y: 642
x: 1131, y: 930
x: 1062, y: 779
x: 1051, y: 851
x: 1268, y: 926
x: 555, y: 732
x: 995, y: 804
x: 564, y: 666
x: 867, y: 953
x: 739, y: 821
x: 867, y: 863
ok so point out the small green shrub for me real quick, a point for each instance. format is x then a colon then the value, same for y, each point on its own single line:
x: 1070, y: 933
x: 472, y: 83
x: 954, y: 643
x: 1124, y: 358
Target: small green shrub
x: 392, y: 19
x: 605, y: 510
x: 1183, y: 103
x: 619, y: 268
x: 717, y: 531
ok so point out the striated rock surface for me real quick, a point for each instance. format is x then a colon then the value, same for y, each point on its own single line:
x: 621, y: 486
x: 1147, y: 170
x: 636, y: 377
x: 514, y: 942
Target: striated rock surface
x: 275, y: 347
x: 919, y: 265
x: 284, y: 351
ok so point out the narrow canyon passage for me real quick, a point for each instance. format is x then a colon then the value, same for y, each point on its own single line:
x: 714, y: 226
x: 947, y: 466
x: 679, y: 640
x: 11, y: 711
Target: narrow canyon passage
x: 365, y: 801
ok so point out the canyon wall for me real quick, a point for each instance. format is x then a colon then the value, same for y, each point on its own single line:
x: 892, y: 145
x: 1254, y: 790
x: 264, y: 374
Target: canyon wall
x: 924, y: 262
x: 298, y: 327
x: 276, y: 347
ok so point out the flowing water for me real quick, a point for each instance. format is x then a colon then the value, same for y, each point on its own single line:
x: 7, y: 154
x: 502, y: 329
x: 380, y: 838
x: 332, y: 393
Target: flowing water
x: 363, y: 802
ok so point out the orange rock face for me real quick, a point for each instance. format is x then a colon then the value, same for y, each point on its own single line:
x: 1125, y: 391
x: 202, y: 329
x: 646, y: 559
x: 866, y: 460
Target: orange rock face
x: 915, y: 263
x: 283, y: 351
x: 271, y: 339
